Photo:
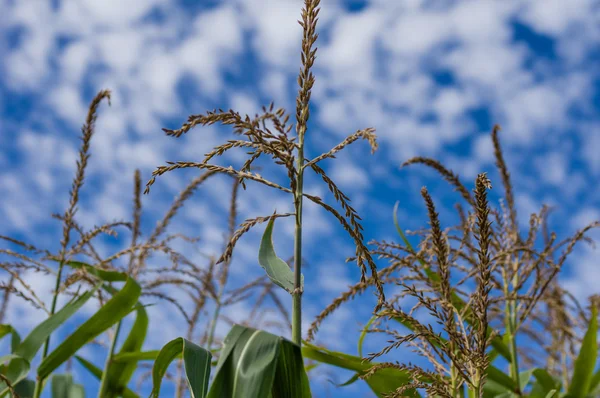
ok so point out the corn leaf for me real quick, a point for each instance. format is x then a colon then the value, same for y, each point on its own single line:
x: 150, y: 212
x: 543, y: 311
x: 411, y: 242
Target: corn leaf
x: 110, y: 313
x: 500, y: 378
x: 585, y: 363
x: 544, y: 383
x: 18, y: 368
x: 36, y: 338
x: 291, y: 379
x: 97, y: 372
x: 15, y: 339
x: 382, y: 382
x: 277, y: 269
x: 63, y: 387
x: 119, y: 374
x: 595, y: 384
x: 363, y: 334
x: 126, y: 357
x: 253, y: 363
x: 25, y: 388
x: 196, y: 363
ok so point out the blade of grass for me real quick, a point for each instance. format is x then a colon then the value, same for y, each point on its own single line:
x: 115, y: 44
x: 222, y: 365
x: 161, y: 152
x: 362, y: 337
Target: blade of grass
x: 277, y: 269
x: 110, y: 313
x: 583, y: 371
x: 97, y: 372
x: 196, y: 363
x: 382, y: 382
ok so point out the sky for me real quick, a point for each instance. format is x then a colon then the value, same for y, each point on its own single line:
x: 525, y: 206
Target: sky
x: 432, y: 77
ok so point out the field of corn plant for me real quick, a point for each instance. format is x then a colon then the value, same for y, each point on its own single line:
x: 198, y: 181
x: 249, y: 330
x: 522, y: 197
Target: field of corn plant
x: 497, y: 322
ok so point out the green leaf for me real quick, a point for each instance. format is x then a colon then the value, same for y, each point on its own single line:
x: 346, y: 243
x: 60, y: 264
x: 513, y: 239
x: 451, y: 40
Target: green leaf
x: 583, y: 371
x: 61, y: 384
x: 595, y: 384
x: 25, y: 388
x: 247, y: 364
x: 127, y: 357
x: 291, y: 379
x: 544, y: 382
x: 18, y: 368
x: 551, y: 394
x: 97, y: 372
x: 497, y: 342
x: 381, y: 382
x: 493, y: 389
x: 63, y: 387
x: 363, y: 334
x: 196, y: 363
x: 277, y: 269
x: 15, y: 339
x: 119, y: 374
x: 257, y: 364
x: 524, y: 378
x: 501, y: 379
x: 110, y: 313
x: 36, y: 338
x: 355, y: 377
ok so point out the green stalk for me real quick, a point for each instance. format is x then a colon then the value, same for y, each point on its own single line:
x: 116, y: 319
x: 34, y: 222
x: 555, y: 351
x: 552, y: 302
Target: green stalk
x: 39, y: 384
x: 297, y: 294
x: 104, y: 382
x: 511, y: 322
x: 213, y: 323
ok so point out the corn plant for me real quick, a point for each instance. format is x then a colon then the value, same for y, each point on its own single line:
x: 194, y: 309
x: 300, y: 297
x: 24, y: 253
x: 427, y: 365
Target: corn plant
x: 289, y: 152
x: 115, y: 304
x: 481, y: 281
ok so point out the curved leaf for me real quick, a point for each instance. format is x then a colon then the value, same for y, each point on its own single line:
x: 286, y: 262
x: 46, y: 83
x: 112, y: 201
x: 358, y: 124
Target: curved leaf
x: 595, y: 384
x: 16, y: 371
x: 382, y: 382
x: 25, y: 388
x: 126, y: 357
x: 119, y: 374
x: 110, y: 313
x: 585, y: 363
x: 97, y: 372
x: 544, y: 383
x: 257, y: 364
x: 18, y: 368
x: 363, y: 334
x: 15, y: 339
x: 291, y: 379
x: 63, y: 387
x: 246, y: 368
x: 500, y: 378
x: 196, y: 363
x: 277, y: 269
x: 34, y: 341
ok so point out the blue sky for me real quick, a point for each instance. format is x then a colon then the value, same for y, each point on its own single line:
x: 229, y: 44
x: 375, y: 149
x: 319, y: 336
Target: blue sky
x: 431, y: 77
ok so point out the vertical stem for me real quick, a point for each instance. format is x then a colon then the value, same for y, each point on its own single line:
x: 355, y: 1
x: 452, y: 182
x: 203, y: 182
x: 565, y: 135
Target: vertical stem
x: 39, y: 385
x: 213, y: 323
x: 511, y: 322
x: 102, y: 392
x: 297, y: 294
x: 453, y: 377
